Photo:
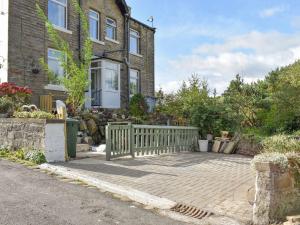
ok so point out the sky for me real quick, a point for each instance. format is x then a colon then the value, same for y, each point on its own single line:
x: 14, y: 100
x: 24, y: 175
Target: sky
x: 217, y: 39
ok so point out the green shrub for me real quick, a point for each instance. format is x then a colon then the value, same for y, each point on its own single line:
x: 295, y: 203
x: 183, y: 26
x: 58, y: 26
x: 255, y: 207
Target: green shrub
x: 35, y: 115
x: 6, y: 105
x: 138, y: 106
x: 281, y: 144
x: 275, y: 158
x: 37, y: 157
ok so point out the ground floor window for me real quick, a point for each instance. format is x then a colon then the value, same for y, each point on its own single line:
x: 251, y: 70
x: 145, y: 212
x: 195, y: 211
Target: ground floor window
x: 111, y: 78
x: 134, y: 82
x: 55, y: 66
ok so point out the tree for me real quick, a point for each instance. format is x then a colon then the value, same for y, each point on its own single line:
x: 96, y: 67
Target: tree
x: 75, y: 80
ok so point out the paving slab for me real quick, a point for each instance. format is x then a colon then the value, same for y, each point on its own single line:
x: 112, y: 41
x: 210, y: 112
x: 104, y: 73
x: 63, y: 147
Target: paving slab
x: 214, y: 182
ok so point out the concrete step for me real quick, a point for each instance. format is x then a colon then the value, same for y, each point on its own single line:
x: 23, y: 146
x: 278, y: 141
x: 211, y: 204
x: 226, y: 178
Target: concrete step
x: 83, y: 148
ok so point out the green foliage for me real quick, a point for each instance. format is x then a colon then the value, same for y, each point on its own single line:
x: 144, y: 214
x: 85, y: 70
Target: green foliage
x: 35, y: 115
x: 75, y: 80
x: 36, y: 157
x: 138, y: 106
x: 22, y: 155
x: 281, y: 144
x: 6, y: 105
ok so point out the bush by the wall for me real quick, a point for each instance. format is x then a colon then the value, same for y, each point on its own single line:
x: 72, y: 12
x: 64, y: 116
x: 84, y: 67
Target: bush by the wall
x: 138, y: 106
x: 6, y: 105
x: 281, y: 144
x: 35, y: 115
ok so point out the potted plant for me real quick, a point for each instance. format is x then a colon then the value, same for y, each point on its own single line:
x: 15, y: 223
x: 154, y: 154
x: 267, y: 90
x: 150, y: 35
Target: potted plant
x: 6, y: 107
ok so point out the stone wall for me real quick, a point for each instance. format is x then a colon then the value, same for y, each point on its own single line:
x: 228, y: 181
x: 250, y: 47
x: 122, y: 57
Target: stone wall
x: 277, y: 193
x: 34, y: 134
x: 248, y: 147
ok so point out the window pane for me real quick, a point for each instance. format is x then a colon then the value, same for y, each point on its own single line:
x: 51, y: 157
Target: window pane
x: 94, y: 14
x: 110, y: 32
x: 57, y: 14
x: 134, y: 82
x: 54, y: 63
x: 94, y: 26
x: 111, y: 80
x: 134, y: 45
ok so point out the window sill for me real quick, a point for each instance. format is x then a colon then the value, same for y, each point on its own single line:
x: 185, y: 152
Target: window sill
x: 111, y: 40
x: 97, y: 41
x: 136, y: 54
x: 62, y: 29
x: 54, y: 87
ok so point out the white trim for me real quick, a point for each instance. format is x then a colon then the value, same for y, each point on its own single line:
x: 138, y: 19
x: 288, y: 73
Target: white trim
x: 135, y: 54
x: 62, y: 29
x: 114, y: 26
x: 112, y: 40
x: 55, y: 87
x: 97, y: 41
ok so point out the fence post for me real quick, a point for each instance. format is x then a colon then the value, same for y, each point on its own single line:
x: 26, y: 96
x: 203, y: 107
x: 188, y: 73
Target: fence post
x: 108, y: 143
x: 131, y: 135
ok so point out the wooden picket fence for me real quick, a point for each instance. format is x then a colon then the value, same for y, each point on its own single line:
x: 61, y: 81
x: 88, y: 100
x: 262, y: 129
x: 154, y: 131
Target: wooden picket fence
x: 123, y: 139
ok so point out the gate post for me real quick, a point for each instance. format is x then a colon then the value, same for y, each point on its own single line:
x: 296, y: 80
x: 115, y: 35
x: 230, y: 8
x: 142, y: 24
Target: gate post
x: 108, y: 143
x: 131, y: 136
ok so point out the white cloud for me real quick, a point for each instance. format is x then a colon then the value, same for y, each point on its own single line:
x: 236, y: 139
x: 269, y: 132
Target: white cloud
x: 252, y: 55
x: 269, y: 12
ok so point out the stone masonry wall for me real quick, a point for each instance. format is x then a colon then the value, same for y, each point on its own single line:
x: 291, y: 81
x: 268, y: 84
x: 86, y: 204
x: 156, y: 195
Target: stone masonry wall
x: 22, y: 133
x: 29, y: 42
x: 277, y: 194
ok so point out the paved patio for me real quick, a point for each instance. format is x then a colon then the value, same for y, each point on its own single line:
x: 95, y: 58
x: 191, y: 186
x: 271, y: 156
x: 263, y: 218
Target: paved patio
x: 209, y: 181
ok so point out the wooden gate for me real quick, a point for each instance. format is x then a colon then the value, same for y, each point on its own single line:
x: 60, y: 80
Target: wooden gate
x: 124, y: 139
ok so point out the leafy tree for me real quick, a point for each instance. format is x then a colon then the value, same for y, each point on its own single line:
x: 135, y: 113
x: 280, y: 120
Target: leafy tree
x: 75, y: 80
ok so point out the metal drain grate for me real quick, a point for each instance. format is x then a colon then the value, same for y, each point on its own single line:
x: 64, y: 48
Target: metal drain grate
x: 191, y: 211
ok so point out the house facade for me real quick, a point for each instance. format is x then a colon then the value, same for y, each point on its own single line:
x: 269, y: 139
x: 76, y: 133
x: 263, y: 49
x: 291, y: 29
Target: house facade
x: 123, y: 49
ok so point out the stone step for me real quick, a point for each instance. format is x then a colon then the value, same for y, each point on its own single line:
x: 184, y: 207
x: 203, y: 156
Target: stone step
x: 82, y: 148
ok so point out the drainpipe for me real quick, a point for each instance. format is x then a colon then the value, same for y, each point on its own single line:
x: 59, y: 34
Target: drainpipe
x: 127, y: 47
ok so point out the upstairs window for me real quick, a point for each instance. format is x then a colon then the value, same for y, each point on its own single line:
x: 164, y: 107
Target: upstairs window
x: 57, y: 12
x: 134, y: 82
x: 111, y: 29
x: 134, y: 42
x: 94, y: 19
x: 54, y: 65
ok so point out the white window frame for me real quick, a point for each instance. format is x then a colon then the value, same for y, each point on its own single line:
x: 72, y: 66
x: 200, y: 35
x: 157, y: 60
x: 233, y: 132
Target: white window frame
x: 138, y: 81
x: 65, y: 28
x: 98, y: 24
x: 136, y: 34
x: 114, y: 25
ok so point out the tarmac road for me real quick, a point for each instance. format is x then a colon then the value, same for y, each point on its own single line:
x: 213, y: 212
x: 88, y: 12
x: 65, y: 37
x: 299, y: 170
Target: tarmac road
x: 29, y: 197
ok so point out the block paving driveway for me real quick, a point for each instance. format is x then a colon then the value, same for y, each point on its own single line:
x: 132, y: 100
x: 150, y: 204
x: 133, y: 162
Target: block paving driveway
x: 215, y: 182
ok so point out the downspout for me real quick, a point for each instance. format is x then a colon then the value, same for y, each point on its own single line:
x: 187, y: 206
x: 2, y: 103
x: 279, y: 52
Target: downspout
x: 127, y: 47
x: 79, y: 32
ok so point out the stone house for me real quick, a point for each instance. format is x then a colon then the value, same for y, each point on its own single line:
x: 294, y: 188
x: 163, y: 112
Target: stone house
x: 123, y: 62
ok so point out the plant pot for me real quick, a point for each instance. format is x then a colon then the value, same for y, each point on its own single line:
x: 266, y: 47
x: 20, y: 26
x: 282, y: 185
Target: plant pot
x: 203, y: 145
x: 209, y: 137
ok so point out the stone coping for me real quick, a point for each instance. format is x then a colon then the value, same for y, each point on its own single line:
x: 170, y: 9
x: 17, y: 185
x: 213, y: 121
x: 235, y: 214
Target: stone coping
x: 32, y: 120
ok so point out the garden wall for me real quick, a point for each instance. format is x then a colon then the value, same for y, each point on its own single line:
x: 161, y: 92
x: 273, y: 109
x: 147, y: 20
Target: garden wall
x: 38, y: 134
x: 277, y: 193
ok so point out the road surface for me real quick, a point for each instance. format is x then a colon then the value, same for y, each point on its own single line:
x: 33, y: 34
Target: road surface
x: 29, y: 197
